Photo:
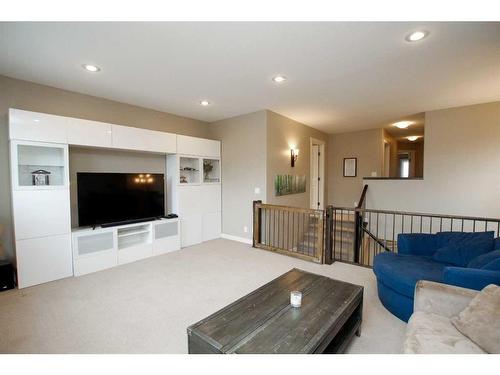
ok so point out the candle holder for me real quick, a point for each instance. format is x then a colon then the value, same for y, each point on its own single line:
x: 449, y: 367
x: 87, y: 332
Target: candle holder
x: 296, y: 298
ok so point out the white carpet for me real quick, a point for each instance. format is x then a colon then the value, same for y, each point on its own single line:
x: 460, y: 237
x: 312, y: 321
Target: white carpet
x: 146, y: 306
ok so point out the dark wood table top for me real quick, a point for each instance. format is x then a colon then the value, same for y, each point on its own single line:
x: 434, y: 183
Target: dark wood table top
x: 265, y: 322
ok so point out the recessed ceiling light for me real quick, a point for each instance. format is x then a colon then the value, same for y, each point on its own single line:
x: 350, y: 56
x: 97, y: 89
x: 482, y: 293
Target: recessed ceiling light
x: 36, y: 120
x: 416, y: 36
x: 91, y: 68
x: 204, y: 103
x: 402, y: 124
x: 279, y: 79
x: 413, y: 138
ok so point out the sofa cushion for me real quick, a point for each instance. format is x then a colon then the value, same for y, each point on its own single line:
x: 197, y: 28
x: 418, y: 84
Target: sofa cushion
x: 483, y: 259
x: 401, y: 272
x: 424, y: 244
x: 459, y: 248
x: 494, y: 265
x: 496, y: 246
x: 480, y: 321
x: 429, y: 333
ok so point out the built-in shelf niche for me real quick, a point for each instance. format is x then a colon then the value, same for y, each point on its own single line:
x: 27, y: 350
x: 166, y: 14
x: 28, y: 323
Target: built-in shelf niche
x: 48, y: 161
x: 211, y: 170
x: 189, y: 170
x: 134, y: 235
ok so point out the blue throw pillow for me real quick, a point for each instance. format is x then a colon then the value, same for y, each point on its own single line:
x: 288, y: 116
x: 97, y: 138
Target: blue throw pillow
x: 494, y: 265
x: 484, y: 259
x: 423, y: 244
x: 460, y: 248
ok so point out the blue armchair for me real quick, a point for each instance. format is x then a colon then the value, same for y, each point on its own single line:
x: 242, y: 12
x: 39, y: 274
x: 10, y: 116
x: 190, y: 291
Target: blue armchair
x: 469, y: 260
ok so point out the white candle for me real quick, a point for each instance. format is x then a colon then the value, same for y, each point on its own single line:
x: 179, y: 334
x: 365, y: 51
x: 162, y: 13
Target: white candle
x: 296, y: 298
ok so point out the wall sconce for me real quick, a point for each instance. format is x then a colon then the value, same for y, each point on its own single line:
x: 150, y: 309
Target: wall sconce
x: 294, y: 154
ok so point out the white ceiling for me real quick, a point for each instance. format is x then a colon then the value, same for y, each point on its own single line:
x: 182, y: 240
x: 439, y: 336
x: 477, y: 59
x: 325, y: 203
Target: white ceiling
x: 342, y: 76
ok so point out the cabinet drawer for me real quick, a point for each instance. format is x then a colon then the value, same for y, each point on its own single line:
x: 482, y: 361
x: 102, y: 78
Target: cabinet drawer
x: 89, y: 133
x: 129, y: 138
x: 97, y: 262
x: 33, y: 126
x: 198, y: 146
x: 133, y: 253
x: 166, y: 245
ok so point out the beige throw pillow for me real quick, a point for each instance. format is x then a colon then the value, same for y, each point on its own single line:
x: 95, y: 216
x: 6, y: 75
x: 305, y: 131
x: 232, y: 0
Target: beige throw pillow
x: 480, y: 321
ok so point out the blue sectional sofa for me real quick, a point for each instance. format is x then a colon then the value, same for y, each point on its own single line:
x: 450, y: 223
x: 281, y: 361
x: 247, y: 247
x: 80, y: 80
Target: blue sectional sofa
x: 469, y: 260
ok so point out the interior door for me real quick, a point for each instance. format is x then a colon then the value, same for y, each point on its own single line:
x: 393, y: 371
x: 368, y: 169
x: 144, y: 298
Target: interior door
x: 315, y: 199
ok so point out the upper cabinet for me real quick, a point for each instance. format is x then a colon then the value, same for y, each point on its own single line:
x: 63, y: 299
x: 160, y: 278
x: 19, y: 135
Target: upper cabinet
x: 42, y: 127
x: 39, y: 166
x: 129, y: 138
x: 198, y: 146
x: 89, y: 133
x: 33, y: 126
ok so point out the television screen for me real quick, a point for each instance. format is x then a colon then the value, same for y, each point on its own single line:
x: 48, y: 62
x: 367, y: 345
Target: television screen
x: 105, y: 198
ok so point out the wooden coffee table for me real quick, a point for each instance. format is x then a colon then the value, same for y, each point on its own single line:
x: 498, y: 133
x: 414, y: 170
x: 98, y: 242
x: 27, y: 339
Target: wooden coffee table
x: 265, y: 322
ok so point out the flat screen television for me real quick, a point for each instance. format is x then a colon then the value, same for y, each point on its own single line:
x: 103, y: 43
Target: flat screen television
x: 112, y: 198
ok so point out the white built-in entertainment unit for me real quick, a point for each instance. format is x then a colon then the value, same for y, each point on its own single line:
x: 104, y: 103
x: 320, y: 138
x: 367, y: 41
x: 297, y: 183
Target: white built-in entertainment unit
x: 47, y: 248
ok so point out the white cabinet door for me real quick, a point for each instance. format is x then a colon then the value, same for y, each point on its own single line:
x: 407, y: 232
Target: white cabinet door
x: 198, y: 146
x: 40, y: 260
x: 134, y: 253
x: 191, y: 230
x: 211, y: 226
x: 210, y: 199
x: 28, y: 156
x: 33, y: 126
x: 129, y: 138
x: 189, y: 200
x: 89, y: 133
x: 41, y: 213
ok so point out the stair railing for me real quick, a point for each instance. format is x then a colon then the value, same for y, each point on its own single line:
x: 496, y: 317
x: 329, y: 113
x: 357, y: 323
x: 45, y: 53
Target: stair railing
x: 293, y: 231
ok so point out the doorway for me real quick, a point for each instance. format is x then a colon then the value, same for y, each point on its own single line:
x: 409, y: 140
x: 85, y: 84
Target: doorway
x: 387, y: 159
x: 317, y: 174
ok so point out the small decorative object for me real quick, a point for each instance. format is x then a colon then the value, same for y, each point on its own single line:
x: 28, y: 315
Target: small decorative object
x: 296, y: 298
x: 183, y: 180
x: 207, y: 168
x: 287, y: 184
x: 350, y: 167
x: 294, y: 154
x: 40, y: 177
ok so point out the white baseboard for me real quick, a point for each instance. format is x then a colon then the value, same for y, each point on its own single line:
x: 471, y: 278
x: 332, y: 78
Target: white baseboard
x: 236, y: 238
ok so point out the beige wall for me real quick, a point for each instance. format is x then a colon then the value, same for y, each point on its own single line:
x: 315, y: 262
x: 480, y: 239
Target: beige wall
x: 101, y: 160
x: 394, y: 161
x: 256, y: 147
x: 365, y: 145
x: 282, y: 134
x: 462, y: 157
x: 33, y: 97
x: 243, y: 169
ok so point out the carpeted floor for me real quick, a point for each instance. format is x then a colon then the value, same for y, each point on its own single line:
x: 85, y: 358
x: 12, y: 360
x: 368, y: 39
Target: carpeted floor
x: 145, y: 307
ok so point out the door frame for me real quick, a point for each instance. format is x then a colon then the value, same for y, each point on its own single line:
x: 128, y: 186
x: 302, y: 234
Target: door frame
x: 321, y: 173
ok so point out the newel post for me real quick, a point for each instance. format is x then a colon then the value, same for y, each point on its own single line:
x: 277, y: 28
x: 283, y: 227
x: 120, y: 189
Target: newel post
x: 257, y: 217
x: 329, y: 235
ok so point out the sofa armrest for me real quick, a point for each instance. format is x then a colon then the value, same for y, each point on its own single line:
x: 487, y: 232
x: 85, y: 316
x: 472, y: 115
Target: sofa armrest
x: 441, y: 299
x: 471, y: 278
